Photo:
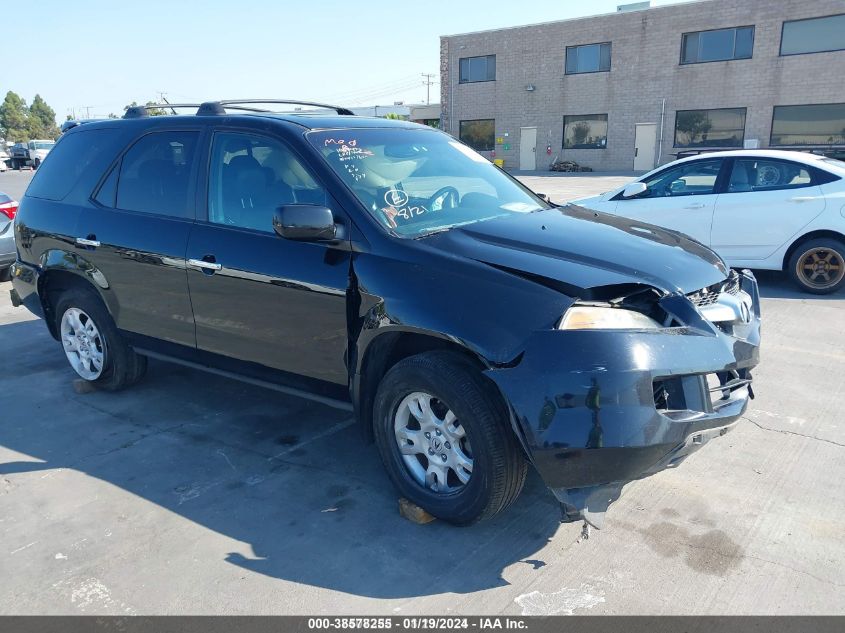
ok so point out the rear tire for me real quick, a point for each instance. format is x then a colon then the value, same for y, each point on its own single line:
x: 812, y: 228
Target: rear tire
x: 88, y: 333
x: 468, y: 411
x: 818, y: 266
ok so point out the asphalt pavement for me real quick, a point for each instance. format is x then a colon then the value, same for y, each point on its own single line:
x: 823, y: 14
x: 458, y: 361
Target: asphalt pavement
x: 194, y: 494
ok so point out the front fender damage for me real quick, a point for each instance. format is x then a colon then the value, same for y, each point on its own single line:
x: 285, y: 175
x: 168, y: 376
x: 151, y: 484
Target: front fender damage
x: 583, y: 403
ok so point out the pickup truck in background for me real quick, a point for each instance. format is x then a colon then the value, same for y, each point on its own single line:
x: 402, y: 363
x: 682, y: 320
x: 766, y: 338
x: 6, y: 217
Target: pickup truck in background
x: 31, y: 154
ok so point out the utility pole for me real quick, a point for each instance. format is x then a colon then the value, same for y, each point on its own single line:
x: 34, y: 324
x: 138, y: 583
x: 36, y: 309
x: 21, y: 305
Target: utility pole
x: 428, y: 82
x: 163, y: 98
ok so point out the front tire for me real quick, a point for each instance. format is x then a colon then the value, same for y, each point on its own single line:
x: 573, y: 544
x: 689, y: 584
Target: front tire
x: 92, y: 344
x: 445, y: 438
x: 818, y: 266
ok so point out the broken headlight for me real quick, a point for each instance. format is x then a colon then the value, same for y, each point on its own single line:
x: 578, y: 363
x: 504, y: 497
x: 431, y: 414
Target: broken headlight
x: 588, y: 317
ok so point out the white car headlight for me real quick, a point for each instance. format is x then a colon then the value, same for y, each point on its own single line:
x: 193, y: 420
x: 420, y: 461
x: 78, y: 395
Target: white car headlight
x: 601, y: 318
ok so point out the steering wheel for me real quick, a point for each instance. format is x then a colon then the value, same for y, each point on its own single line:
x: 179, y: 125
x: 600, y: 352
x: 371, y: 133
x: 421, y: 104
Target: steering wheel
x: 437, y: 201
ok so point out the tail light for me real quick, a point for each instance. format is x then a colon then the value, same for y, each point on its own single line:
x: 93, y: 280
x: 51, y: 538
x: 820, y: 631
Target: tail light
x: 9, y: 209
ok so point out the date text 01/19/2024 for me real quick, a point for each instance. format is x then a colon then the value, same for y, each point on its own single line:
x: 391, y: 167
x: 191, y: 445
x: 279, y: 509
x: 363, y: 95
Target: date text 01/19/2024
x: 417, y: 623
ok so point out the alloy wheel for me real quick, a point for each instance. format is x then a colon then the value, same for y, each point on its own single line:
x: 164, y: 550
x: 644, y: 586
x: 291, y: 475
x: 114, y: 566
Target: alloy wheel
x: 84, y: 346
x: 820, y: 268
x: 433, y: 443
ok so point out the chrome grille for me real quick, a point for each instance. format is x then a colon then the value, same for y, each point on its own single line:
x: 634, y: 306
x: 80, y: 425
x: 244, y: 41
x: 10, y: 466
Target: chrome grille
x: 710, y: 295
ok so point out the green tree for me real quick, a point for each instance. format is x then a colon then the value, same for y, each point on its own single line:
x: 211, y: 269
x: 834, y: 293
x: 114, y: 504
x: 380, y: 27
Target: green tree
x: 14, y: 115
x: 42, y: 120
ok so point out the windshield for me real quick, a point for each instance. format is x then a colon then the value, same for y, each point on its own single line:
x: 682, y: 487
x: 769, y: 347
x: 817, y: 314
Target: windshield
x: 415, y: 182
x: 47, y: 145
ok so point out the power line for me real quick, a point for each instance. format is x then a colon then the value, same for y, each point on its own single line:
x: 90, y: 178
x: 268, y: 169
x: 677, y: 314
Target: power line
x: 373, y: 91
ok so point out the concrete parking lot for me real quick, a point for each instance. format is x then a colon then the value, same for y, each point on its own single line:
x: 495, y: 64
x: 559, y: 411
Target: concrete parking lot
x: 191, y: 494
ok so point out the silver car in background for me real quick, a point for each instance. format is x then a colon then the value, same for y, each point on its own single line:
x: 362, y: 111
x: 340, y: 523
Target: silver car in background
x: 8, y: 209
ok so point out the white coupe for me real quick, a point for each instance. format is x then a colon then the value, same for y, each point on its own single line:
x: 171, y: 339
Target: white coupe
x: 763, y: 209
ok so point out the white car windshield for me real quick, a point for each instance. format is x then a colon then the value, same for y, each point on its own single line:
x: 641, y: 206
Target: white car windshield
x: 48, y: 145
x: 415, y: 182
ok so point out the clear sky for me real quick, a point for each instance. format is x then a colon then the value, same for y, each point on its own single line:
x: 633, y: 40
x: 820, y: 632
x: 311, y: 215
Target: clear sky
x: 104, y: 54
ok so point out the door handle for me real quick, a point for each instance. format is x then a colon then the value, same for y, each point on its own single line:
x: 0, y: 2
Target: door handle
x: 210, y: 266
x: 87, y: 241
x: 697, y: 205
x: 800, y: 199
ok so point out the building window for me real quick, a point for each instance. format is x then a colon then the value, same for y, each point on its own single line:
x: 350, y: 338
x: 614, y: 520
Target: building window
x: 474, y: 69
x: 479, y: 134
x: 820, y: 124
x: 585, y: 131
x: 590, y: 58
x: 710, y: 128
x: 816, y: 35
x: 716, y: 46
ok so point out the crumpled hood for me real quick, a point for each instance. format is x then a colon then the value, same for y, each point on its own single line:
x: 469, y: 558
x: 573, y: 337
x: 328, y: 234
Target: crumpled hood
x: 584, y: 249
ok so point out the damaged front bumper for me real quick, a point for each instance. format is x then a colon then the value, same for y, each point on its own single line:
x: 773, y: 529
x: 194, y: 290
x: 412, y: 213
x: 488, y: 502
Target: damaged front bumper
x: 597, y: 409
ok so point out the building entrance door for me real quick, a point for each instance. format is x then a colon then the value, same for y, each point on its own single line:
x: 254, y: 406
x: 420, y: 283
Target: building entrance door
x: 645, y: 142
x: 528, y: 148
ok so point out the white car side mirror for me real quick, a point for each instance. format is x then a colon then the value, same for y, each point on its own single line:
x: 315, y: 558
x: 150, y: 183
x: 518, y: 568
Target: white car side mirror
x: 634, y: 189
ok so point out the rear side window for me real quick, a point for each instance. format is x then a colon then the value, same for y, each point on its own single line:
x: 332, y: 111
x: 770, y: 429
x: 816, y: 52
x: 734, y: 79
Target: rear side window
x: 67, y: 161
x: 155, y: 174
x: 749, y: 174
x: 822, y: 177
x: 106, y: 195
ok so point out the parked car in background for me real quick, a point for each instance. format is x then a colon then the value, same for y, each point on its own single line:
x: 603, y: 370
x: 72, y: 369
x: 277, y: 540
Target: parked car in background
x: 761, y: 209
x: 5, y: 159
x: 38, y: 151
x: 8, y: 210
x: 385, y: 267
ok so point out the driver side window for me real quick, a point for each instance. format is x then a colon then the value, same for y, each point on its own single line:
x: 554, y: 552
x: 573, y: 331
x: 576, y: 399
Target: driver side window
x: 695, y: 178
x: 251, y: 176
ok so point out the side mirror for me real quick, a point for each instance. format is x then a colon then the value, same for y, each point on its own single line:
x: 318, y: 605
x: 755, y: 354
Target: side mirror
x: 304, y: 222
x: 634, y: 189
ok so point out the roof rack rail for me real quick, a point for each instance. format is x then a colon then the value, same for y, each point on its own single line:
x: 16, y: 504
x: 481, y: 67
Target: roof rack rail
x: 139, y: 111
x: 219, y: 107
x: 338, y: 109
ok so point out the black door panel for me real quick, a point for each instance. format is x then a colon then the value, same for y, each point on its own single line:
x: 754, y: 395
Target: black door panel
x: 139, y: 247
x: 142, y: 258
x: 275, y: 302
x: 257, y: 297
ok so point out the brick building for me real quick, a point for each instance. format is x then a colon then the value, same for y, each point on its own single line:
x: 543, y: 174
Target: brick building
x: 633, y: 89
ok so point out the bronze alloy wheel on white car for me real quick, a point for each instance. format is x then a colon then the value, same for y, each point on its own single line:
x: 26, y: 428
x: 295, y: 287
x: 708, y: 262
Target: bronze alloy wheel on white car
x: 818, y: 266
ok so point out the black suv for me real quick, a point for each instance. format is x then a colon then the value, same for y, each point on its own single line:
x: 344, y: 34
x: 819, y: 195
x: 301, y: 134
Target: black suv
x: 385, y: 267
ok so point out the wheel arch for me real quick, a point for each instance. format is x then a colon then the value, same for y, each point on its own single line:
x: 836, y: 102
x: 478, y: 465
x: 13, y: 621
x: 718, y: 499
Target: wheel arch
x: 383, y: 351
x: 60, y: 271
x: 812, y: 235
